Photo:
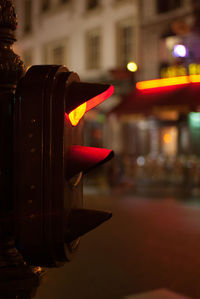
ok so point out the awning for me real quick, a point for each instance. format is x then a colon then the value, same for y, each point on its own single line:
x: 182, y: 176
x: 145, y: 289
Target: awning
x: 182, y: 98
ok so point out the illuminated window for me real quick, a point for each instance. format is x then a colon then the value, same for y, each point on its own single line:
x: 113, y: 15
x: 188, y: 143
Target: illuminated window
x: 64, y: 1
x: 194, y: 119
x: 125, y: 42
x: 91, y: 4
x: 27, y: 16
x: 93, y: 49
x: 169, y: 141
x: 45, y: 5
x: 56, y: 52
x: 167, y: 5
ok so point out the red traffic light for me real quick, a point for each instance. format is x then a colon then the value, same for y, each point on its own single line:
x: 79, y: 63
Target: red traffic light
x: 84, y: 158
x: 49, y: 162
x: 82, y: 97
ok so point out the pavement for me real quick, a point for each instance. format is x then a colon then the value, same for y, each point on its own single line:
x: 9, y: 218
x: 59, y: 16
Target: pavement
x: 150, y: 244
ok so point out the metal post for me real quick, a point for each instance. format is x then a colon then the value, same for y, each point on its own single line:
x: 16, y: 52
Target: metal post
x: 16, y: 278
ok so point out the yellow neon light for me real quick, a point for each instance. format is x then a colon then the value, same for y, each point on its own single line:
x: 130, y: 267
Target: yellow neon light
x: 164, y: 82
x: 195, y: 78
x: 168, y: 82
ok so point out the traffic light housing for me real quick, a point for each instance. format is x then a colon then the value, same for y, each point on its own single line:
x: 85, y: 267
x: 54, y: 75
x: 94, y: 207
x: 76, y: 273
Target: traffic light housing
x: 50, y: 160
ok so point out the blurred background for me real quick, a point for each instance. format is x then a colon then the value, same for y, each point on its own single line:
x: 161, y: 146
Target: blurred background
x: 122, y: 42
x: 152, y: 241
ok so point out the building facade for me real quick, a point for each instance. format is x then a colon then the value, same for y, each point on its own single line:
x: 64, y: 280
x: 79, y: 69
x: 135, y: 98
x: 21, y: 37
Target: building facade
x: 163, y: 148
x: 163, y: 25
x: 89, y: 36
x: 97, y: 39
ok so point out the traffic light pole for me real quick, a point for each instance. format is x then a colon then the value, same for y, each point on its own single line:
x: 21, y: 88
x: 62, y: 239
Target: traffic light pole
x: 16, y: 278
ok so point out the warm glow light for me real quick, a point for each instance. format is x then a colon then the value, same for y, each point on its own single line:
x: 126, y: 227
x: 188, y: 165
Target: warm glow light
x: 132, y: 66
x: 162, y: 82
x: 195, y: 78
x: 77, y: 114
x: 167, y: 138
x: 168, y: 82
x: 28, y: 67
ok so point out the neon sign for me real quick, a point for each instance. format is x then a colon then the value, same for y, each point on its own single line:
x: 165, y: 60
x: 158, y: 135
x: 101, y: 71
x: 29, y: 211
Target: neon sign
x: 164, y: 82
x: 180, y: 70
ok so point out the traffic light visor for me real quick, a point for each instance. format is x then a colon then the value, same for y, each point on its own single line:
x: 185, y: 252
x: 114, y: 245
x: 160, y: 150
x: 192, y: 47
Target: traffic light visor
x: 82, y: 97
x: 84, y: 158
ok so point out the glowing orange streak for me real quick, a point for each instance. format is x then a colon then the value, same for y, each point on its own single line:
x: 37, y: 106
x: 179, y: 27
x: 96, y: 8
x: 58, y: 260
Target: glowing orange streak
x: 99, y: 98
x: 163, y: 82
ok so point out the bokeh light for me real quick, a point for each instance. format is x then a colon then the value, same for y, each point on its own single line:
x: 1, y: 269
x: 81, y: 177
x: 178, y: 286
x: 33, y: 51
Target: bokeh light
x: 179, y: 51
x: 132, y: 66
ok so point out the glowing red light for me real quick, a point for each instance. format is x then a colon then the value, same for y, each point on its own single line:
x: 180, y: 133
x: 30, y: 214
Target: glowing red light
x: 75, y: 115
x: 99, y: 98
x: 84, y: 158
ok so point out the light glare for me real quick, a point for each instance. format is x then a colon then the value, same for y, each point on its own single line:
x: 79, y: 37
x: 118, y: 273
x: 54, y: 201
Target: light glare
x: 167, y: 138
x: 179, y: 51
x: 132, y: 66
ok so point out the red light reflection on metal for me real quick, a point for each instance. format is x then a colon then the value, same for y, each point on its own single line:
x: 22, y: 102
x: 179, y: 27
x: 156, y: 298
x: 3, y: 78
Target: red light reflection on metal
x: 100, y: 98
x: 157, y: 83
x: 84, y: 158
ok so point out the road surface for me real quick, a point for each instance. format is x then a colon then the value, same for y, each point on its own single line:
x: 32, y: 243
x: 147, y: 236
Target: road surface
x: 148, y: 244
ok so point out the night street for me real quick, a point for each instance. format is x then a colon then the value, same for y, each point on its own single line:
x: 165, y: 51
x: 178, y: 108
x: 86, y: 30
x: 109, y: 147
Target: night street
x: 99, y: 143
x: 148, y: 244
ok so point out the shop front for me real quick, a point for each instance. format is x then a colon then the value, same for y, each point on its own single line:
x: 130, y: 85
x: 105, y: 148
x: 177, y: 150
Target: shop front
x: 160, y: 136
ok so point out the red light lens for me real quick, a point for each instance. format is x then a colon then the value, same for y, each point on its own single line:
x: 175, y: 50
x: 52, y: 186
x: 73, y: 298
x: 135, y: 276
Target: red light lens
x: 100, y: 98
x: 76, y: 115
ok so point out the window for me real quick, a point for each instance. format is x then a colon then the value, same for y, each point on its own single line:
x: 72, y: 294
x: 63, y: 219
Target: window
x: 125, y: 42
x: 56, y: 53
x: 27, y: 16
x: 92, y: 4
x: 167, y: 5
x: 64, y: 1
x: 45, y: 5
x: 93, y: 44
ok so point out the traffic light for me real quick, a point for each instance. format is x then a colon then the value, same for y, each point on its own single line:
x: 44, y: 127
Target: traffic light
x: 50, y: 161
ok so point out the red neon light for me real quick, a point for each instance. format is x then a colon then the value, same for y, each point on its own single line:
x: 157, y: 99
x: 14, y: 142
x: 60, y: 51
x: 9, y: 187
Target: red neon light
x: 99, y: 98
x: 168, y: 82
